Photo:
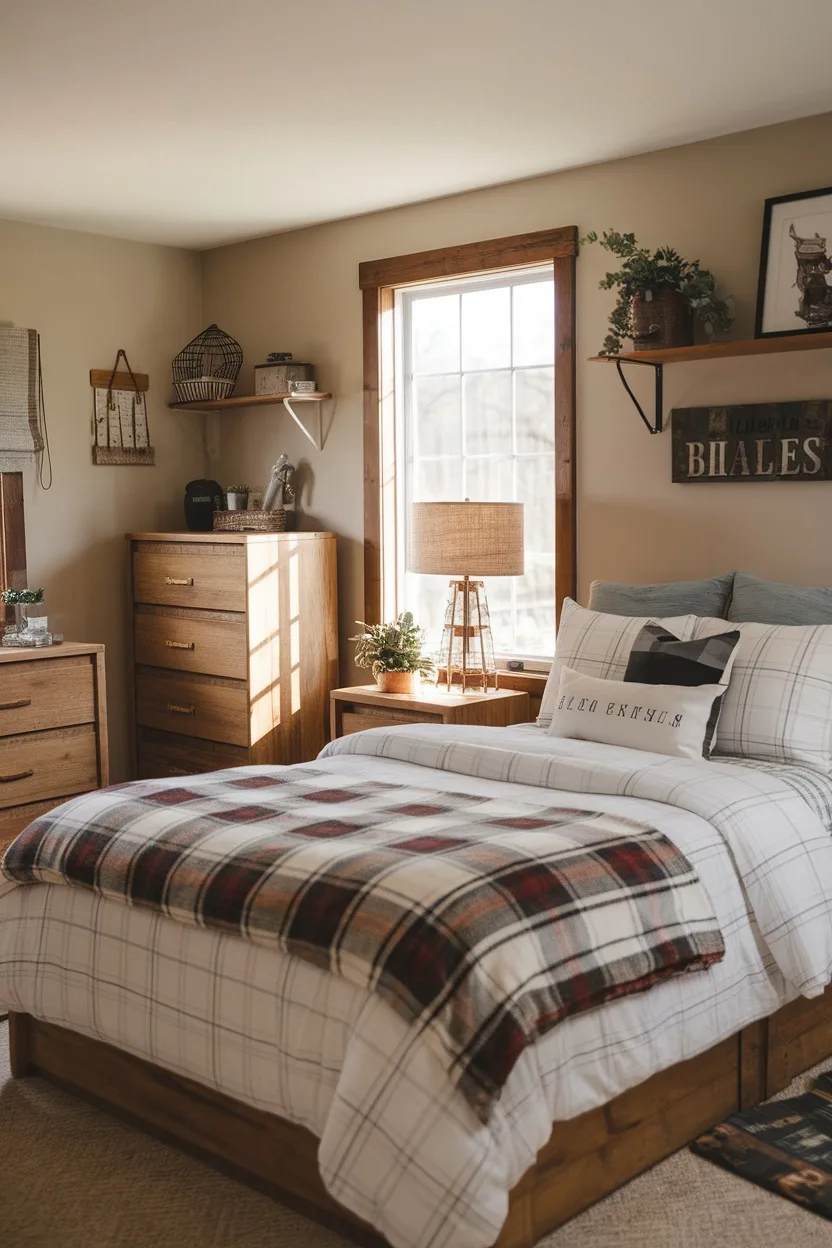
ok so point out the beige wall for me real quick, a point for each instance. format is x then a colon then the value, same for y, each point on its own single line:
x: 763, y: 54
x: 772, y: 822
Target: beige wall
x: 299, y: 292
x: 88, y: 296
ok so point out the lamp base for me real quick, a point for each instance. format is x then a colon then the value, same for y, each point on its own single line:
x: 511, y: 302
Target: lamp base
x: 467, y: 649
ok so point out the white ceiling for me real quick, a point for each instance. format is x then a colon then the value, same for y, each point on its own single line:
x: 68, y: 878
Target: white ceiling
x: 199, y: 122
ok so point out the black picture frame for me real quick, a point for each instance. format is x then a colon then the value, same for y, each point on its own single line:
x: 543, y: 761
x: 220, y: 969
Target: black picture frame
x: 765, y: 249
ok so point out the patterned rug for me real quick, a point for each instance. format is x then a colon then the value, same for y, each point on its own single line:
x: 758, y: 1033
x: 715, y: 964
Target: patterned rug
x: 73, y: 1177
x: 784, y: 1146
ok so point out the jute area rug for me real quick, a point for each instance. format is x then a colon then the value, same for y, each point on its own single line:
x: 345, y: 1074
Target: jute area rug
x: 72, y: 1177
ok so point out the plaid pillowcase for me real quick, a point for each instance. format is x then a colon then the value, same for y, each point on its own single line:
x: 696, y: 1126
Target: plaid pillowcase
x: 778, y: 705
x: 599, y: 645
x: 660, y: 658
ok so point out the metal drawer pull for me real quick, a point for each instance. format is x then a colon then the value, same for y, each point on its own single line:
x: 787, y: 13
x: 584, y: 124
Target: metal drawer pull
x: 20, y: 775
x: 179, y: 580
x: 181, y: 710
x: 15, y: 706
x: 180, y: 645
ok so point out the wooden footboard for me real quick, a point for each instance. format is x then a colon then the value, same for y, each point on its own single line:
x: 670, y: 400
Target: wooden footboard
x: 583, y: 1160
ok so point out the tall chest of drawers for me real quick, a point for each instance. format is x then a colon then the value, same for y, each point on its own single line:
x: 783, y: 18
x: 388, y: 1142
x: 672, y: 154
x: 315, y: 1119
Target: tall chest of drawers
x: 53, y: 730
x: 235, y: 648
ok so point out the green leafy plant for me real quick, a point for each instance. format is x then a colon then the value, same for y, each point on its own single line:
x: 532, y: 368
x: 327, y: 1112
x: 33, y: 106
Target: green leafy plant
x: 642, y: 271
x: 393, y: 647
x: 237, y: 489
x: 21, y: 597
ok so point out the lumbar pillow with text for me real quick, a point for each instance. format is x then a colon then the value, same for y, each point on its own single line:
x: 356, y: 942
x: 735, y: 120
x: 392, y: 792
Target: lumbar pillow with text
x: 599, y: 644
x: 679, y: 720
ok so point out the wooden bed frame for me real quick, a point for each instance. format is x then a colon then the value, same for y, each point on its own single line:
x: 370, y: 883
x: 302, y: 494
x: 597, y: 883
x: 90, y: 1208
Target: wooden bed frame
x: 584, y: 1159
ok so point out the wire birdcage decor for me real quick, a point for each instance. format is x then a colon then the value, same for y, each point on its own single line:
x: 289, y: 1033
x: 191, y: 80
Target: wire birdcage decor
x: 208, y: 367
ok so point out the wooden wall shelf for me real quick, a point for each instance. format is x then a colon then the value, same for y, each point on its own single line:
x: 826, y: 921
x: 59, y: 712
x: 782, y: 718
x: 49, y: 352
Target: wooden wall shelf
x: 249, y: 400
x: 706, y: 351
x: 264, y: 400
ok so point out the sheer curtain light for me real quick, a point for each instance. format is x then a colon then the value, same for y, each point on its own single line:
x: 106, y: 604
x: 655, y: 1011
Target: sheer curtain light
x: 465, y: 540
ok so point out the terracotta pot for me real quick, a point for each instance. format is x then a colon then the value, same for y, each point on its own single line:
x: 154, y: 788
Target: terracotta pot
x: 663, y: 321
x: 398, y: 682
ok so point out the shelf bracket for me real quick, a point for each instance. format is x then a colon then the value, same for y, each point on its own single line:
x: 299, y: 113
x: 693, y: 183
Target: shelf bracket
x: 658, y: 414
x: 318, y: 445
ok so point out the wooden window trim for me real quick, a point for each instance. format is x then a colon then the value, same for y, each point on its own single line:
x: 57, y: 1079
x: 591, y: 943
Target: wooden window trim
x: 12, y: 537
x: 378, y: 280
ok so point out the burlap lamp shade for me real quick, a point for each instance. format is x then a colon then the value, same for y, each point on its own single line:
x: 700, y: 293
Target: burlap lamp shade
x: 465, y: 540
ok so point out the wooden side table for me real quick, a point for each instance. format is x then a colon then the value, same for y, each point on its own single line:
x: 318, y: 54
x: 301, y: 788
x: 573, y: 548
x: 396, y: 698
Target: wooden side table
x: 364, y: 706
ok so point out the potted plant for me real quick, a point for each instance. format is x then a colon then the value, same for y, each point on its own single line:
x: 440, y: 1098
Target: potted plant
x: 236, y: 497
x: 393, y: 652
x: 30, y: 627
x: 659, y: 296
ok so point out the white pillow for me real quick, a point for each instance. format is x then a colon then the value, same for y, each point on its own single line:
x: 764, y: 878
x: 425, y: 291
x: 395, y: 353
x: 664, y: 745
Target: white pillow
x: 665, y: 719
x: 779, y: 702
x: 599, y: 645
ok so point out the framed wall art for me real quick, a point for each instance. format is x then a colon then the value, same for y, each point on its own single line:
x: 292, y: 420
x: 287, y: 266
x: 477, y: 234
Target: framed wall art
x: 794, y: 295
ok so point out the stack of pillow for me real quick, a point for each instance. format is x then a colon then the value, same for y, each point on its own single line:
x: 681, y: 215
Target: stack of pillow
x: 656, y: 667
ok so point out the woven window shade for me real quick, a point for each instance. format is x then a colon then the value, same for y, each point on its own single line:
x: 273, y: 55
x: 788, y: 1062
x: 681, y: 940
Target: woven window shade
x: 466, y: 539
x: 20, y: 436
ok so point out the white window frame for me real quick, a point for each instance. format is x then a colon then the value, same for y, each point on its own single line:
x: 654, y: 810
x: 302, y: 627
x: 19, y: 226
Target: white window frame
x: 405, y: 297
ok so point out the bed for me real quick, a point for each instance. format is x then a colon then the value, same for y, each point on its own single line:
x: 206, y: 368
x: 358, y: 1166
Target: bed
x: 302, y: 1083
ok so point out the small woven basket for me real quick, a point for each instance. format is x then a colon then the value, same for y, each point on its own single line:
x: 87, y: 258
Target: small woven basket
x: 250, y: 521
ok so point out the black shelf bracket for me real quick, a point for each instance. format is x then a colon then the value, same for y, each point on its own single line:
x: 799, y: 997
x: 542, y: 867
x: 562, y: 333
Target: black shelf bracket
x: 658, y: 414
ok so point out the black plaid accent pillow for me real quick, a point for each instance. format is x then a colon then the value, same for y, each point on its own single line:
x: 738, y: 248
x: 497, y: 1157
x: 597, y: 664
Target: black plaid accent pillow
x: 659, y: 658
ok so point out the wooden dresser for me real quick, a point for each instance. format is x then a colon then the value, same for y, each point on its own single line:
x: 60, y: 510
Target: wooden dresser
x: 53, y: 730
x: 235, y: 648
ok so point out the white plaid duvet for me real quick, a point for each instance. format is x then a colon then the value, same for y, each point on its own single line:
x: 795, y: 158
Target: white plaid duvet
x: 398, y: 1145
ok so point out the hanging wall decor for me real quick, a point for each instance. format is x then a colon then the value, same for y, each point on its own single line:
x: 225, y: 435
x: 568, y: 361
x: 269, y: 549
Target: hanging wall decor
x: 121, y: 434
x: 794, y: 294
x: 753, y: 442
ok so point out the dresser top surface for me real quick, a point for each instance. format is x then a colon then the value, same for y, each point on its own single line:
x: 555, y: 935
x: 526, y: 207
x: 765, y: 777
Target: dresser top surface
x: 227, y: 539
x: 64, y: 649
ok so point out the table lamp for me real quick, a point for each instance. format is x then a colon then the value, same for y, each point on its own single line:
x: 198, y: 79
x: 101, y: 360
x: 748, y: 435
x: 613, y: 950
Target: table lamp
x: 467, y: 540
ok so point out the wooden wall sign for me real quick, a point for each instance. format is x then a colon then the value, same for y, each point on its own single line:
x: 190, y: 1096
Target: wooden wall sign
x: 753, y: 442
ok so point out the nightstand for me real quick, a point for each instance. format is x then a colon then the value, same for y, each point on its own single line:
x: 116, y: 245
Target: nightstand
x: 364, y: 706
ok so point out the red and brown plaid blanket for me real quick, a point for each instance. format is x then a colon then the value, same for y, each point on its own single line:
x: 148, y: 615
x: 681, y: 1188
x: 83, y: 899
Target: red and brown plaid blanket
x: 482, y: 921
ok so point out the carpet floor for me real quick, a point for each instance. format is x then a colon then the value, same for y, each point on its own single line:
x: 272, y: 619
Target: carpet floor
x: 72, y: 1177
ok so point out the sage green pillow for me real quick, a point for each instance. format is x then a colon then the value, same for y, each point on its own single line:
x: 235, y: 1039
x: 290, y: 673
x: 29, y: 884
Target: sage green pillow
x: 757, y: 601
x: 707, y: 597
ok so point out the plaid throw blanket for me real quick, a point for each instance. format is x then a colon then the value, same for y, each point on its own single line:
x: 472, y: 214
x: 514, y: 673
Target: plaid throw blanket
x: 482, y: 921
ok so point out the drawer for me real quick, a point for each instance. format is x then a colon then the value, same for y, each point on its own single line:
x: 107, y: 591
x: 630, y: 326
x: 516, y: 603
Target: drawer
x: 41, y: 765
x: 194, y: 706
x: 211, y: 642
x: 182, y: 574
x: 359, y: 721
x: 16, y: 818
x: 46, y: 693
x: 167, y: 754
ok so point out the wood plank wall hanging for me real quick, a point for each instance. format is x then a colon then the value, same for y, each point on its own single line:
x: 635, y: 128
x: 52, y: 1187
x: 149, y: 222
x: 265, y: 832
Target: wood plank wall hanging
x: 753, y: 442
x: 121, y: 434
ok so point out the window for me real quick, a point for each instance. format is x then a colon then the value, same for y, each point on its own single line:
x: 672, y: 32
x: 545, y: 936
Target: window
x: 475, y: 370
x: 469, y: 391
